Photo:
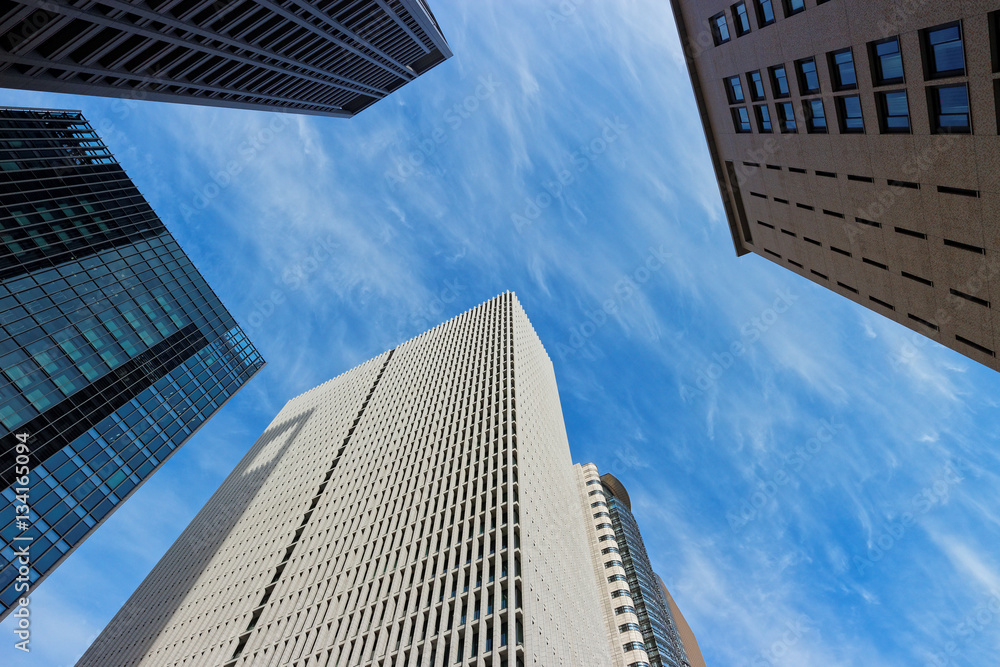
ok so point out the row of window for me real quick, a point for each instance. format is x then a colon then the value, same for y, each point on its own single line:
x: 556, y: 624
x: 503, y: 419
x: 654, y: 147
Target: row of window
x: 948, y: 105
x: 764, y: 11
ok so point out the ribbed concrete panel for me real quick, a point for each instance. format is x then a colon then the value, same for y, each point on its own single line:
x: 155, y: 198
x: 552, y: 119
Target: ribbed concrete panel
x: 420, y: 509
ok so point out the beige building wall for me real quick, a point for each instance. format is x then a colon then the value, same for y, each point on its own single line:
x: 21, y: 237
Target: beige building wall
x: 610, y: 570
x: 420, y: 509
x: 907, y: 224
x: 684, y: 630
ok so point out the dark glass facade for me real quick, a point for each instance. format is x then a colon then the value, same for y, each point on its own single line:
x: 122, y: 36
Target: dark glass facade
x: 323, y: 57
x: 113, y: 348
x: 659, y: 632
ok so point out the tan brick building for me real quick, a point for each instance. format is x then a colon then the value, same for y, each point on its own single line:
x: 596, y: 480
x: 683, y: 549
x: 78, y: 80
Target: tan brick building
x: 855, y: 142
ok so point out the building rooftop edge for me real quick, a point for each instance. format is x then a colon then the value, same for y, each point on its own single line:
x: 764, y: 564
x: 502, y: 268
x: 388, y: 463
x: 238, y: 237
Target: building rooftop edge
x: 699, y: 97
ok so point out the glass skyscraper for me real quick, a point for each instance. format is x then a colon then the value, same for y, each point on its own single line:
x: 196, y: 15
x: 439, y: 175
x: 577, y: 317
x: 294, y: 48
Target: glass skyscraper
x: 113, y: 348
x: 659, y: 631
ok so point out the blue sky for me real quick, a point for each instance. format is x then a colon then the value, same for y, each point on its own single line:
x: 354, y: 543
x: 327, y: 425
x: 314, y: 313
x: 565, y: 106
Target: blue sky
x: 828, y: 495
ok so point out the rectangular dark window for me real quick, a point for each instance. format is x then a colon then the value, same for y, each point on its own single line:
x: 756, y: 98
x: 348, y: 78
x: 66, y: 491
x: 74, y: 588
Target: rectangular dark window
x: 741, y: 18
x: 741, y: 120
x: 918, y: 279
x: 893, y: 112
x: 779, y: 81
x: 756, y: 83
x: 786, y: 118
x: 874, y: 263
x: 910, y: 232
x: 815, y: 116
x: 943, y: 53
x: 996, y: 101
x: 887, y: 62
x: 808, y: 77
x: 964, y: 192
x: 763, y: 119
x: 765, y: 224
x: 817, y: 273
x: 813, y: 241
x: 882, y: 303
x: 923, y: 321
x: 720, y: 29
x: 975, y: 346
x: 847, y: 287
x: 734, y: 89
x: 765, y: 13
x: 968, y: 297
x: 842, y: 72
x: 891, y: 182
x: 994, y: 19
x: 793, y: 7
x: 949, y: 109
x: 965, y: 246
x: 860, y: 179
x: 849, y: 114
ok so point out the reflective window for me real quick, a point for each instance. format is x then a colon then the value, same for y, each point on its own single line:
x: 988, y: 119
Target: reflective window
x: 849, y: 114
x: 887, y: 62
x: 943, y: 52
x: 763, y: 118
x: 808, y: 77
x: 894, y: 112
x: 779, y: 81
x: 949, y: 107
x: 815, y: 116
x: 720, y: 29
x: 842, y: 70
x: 741, y: 18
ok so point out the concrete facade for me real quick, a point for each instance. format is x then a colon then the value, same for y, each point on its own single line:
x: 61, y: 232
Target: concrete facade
x: 887, y: 191
x: 419, y: 509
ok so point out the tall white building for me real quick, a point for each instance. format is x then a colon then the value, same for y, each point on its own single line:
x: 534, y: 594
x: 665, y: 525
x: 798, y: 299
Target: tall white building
x: 420, y: 509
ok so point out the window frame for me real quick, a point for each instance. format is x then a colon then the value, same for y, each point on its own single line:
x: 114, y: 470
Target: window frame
x: 751, y: 86
x: 808, y: 112
x: 783, y: 119
x: 801, y: 75
x: 881, y: 102
x: 762, y: 21
x: 836, y: 82
x: 760, y: 120
x: 931, y: 73
x: 737, y: 24
x: 713, y: 23
x: 876, y: 63
x: 841, y: 109
x: 934, y: 110
x: 741, y: 120
x: 790, y: 11
x: 731, y: 89
x: 771, y: 71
